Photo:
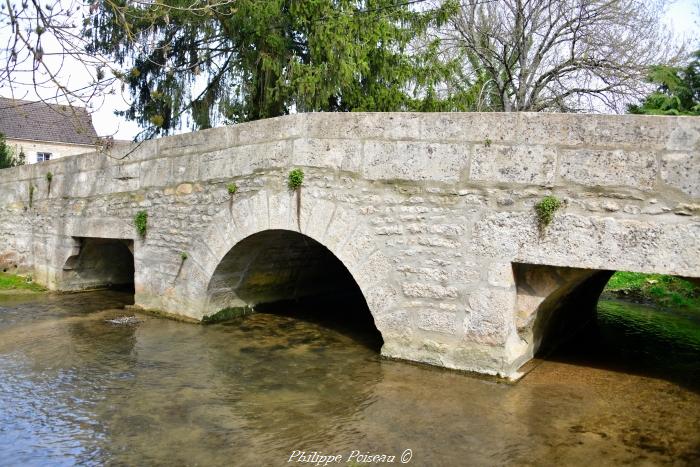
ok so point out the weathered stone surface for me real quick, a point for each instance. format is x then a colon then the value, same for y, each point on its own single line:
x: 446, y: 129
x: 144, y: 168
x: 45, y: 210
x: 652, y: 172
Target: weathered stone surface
x: 490, y: 315
x: 514, y: 164
x: 681, y: 170
x: 427, y: 212
x: 419, y: 290
x: 341, y: 154
x: 437, y: 321
x: 500, y: 274
x: 635, y: 169
x: 388, y: 160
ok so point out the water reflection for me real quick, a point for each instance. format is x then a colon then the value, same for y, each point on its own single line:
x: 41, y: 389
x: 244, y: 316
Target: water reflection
x: 76, y: 389
x: 634, y: 338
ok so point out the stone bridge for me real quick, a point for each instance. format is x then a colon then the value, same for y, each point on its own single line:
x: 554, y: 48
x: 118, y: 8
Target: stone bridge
x: 430, y: 216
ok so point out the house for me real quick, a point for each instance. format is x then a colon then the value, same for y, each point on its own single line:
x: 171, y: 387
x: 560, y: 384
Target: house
x: 46, y: 131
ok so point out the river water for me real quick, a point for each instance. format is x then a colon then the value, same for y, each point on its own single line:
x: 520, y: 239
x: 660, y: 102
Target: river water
x: 76, y: 389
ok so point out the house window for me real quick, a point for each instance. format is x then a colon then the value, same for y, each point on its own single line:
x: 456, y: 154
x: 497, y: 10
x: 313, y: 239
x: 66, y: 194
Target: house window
x: 43, y: 156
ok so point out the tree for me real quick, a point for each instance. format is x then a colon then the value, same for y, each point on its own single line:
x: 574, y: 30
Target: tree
x: 253, y: 59
x: 43, y: 51
x: 7, y: 155
x: 678, y: 91
x: 559, y: 55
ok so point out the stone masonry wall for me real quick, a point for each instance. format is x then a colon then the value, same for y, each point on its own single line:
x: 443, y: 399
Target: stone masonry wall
x: 427, y: 211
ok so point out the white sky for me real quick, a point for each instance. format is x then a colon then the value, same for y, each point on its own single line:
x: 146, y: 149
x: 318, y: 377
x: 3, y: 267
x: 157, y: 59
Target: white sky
x: 682, y: 17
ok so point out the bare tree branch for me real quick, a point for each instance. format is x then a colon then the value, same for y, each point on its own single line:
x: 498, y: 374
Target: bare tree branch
x: 561, y: 55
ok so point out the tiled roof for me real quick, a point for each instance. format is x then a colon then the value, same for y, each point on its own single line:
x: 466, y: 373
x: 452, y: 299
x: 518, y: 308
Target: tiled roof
x: 45, y: 122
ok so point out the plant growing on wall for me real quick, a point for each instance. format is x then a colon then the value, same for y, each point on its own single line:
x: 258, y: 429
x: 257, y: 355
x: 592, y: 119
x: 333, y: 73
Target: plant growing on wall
x: 31, y: 194
x: 49, y: 177
x: 232, y: 188
x: 183, y: 256
x: 545, y: 210
x: 141, y: 222
x: 294, y: 182
x: 296, y: 179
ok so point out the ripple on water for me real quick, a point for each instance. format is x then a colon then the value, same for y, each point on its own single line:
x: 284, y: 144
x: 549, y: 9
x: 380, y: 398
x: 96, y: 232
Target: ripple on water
x: 75, y: 389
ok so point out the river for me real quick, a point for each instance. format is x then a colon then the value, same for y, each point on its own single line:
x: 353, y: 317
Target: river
x: 76, y: 389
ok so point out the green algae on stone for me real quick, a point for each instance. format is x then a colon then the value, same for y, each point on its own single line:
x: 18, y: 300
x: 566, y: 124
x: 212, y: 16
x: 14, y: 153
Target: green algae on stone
x: 227, y: 314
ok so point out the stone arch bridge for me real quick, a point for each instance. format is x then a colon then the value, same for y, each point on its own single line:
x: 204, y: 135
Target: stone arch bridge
x: 431, y: 215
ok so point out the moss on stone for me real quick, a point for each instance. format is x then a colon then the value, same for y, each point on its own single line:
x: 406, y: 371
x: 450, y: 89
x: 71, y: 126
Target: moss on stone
x: 227, y: 314
x: 545, y: 210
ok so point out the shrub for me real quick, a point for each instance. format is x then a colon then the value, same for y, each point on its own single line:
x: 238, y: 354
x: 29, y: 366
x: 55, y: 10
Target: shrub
x: 141, y: 222
x: 545, y: 210
x: 296, y: 178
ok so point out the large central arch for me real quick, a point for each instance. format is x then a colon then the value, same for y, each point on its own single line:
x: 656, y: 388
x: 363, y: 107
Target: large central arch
x: 280, y: 269
x: 277, y: 265
x: 219, y: 255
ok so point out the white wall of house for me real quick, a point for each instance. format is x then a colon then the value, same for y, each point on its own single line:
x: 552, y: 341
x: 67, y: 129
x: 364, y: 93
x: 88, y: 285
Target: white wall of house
x: 32, y: 149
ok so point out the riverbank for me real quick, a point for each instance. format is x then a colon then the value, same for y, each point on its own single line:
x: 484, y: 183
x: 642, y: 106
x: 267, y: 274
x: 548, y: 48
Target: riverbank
x: 11, y: 283
x: 654, y: 289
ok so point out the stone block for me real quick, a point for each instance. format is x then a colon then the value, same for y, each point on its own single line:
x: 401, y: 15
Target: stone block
x: 490, y: 316
x: 685, y: 134
x: 385, y: 160
x: 591, y: 130
x: 155, y: 172
x: 268, y: 130
x: 618, y: 168
x: 140, y: 151
x: 474, y: 127
x: 385, y: 126
x: 681, y: 170
x: 500, y: 274
x: 336, y: 154
x: 381, y: 299
x: 196, y: 142
x: 441, y: 321
x: 184, y: 169
x: 218, y: 165
x: 423, y: 290
x: 514, y: 164
x: 263, y: 156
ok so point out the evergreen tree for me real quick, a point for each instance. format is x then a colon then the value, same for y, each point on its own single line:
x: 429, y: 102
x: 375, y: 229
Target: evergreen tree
x: 253, y: 59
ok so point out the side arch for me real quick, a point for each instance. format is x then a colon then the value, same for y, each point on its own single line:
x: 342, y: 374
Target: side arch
x: 554, y: 301
x: 340, y: 230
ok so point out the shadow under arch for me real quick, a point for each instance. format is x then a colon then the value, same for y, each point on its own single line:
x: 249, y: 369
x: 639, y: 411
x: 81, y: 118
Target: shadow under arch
x: 286, y: 272
x: 99, y: 263
x: 553, y: 302
x: 563, y: 317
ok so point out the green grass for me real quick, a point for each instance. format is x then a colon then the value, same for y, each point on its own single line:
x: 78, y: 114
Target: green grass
x: 13, y: 282
x: 665, y: 291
